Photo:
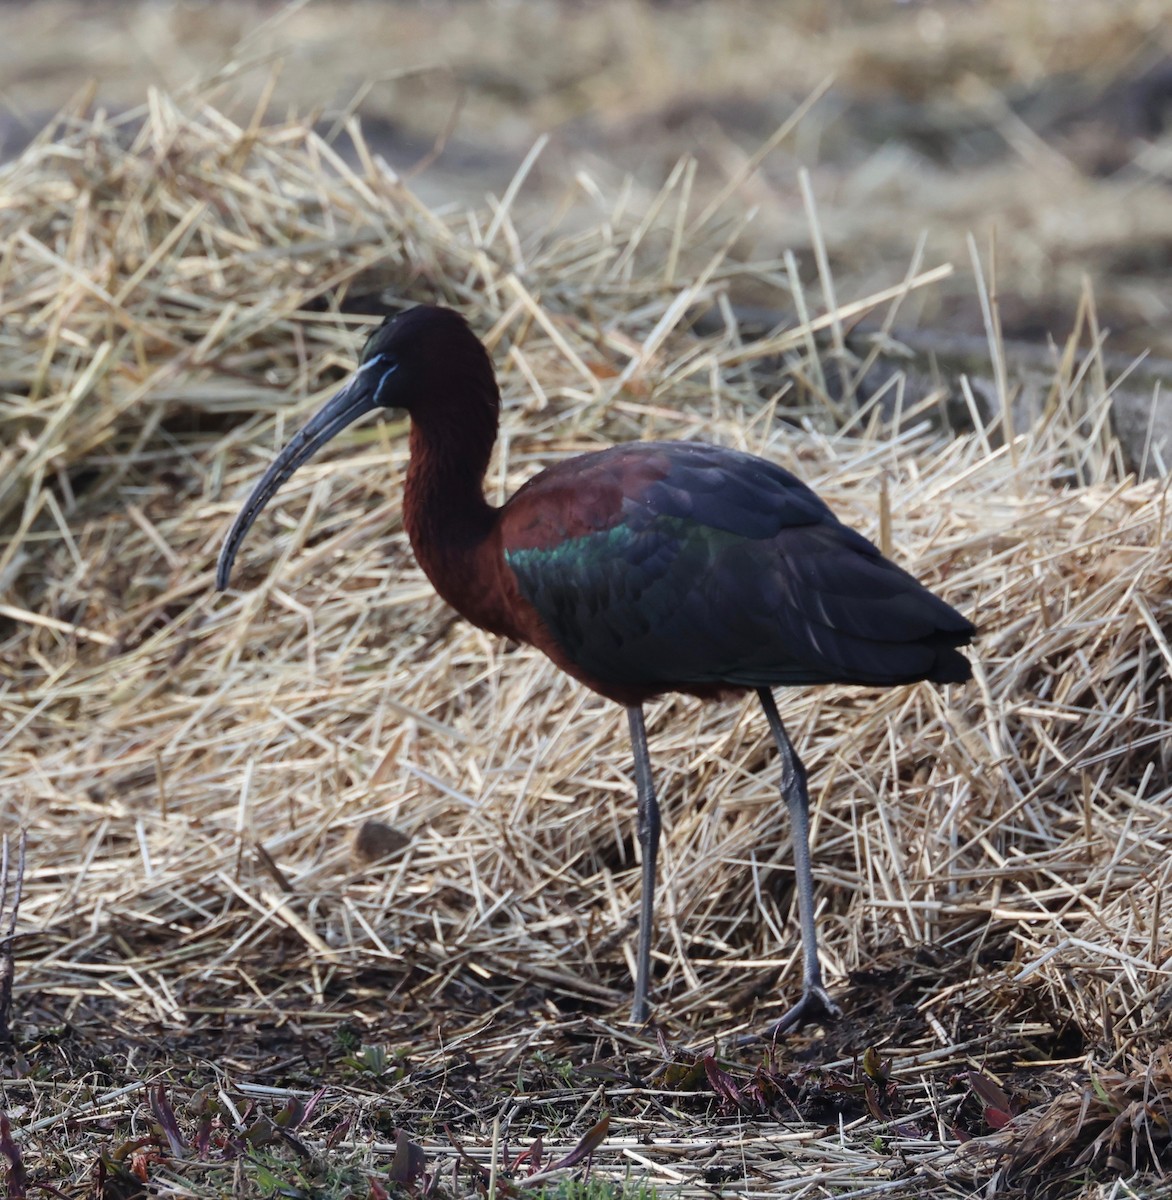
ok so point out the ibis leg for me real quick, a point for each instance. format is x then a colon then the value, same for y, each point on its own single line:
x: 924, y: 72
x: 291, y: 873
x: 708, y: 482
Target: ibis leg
x: 649, y: 843
x: 815, y: 1003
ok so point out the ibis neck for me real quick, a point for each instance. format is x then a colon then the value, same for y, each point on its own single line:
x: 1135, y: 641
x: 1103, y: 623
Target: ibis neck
x: 447, y: 518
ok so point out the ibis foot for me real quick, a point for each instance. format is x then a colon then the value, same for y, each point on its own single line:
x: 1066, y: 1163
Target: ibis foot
x: 815, y: 1005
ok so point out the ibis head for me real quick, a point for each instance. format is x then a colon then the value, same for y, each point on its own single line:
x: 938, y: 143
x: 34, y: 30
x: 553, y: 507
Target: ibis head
x: 417, y: 361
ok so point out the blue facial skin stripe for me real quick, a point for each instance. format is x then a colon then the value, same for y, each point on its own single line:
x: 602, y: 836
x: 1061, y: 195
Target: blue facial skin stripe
x: 370, y: 362
x: 386, y: 375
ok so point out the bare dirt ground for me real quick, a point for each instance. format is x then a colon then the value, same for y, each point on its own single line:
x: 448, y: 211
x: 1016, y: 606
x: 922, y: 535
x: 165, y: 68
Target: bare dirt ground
x: 214, y: 992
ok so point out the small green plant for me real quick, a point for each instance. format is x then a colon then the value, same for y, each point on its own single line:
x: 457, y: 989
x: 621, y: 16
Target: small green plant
x: 348, y: 1038
x: 281, y: 1177
x: 595, y: 1188
x: 377, y: 1062
x: 563, y: 1068
x: 371, y: 1059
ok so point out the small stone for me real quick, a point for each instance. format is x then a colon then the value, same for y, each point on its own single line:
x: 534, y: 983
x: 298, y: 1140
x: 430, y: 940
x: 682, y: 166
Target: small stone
x: 376, y: 840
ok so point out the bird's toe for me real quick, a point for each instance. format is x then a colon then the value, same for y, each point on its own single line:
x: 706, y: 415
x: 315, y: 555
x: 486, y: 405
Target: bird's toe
x: 815, y: 1005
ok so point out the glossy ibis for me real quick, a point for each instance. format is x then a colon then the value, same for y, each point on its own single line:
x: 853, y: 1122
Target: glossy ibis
x: 646, y: 568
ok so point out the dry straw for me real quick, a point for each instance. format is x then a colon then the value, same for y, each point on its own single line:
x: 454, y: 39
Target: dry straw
x: 176, y: 293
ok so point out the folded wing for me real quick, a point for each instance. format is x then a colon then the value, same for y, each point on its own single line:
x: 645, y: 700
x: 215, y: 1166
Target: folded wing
x: 678, y: 563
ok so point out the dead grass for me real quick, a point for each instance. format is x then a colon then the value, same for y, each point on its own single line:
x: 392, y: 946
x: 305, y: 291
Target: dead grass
x: 992, y: 861
x: 1105, y: 1120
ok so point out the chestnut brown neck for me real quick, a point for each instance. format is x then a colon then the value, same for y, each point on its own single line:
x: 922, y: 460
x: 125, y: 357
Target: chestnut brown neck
x: 448, y: 521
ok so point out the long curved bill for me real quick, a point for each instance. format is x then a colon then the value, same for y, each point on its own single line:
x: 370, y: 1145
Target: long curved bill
x: 358, y: 397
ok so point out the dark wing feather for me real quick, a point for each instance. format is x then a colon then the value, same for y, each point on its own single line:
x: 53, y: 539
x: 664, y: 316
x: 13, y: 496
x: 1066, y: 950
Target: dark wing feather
x: 671, y: 564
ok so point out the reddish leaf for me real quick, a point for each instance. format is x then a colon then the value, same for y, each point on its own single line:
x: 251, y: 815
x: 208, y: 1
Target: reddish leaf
x: 138, y: 1168
x: 463, y: 1156
x: 291, y: 1115
x: 165, y: 1115
x: 722, y: 1082
x: 262, y: 1132
x: 998, y: 1106
x: 409, y: 1161
x: 203, y: 1136
x: 17, y: 1180
x: 591, y: 1140
x: 339, y: 1131
x: 532, y: 1156
x: 311, y: 1105
x: 996, y: 1119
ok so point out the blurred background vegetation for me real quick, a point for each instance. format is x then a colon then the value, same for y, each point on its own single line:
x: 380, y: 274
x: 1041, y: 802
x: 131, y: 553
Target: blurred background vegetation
x: 1041, y: 122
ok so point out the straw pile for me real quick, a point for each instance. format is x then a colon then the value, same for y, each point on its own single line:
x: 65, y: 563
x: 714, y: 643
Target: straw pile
x: 993, y: 861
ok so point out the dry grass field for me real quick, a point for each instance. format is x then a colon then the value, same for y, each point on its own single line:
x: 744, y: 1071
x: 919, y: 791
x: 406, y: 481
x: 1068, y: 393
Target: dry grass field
x: 327, y: 893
